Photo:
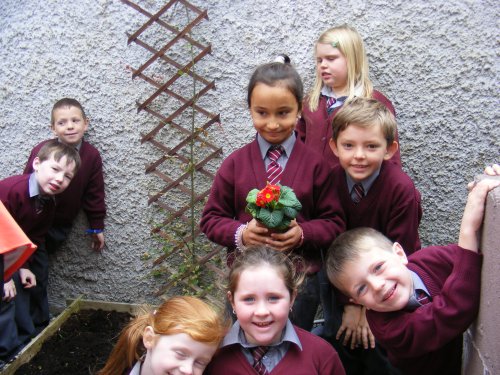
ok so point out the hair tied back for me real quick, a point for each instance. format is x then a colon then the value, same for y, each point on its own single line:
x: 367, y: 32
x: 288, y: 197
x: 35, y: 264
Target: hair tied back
x: 282, y: 58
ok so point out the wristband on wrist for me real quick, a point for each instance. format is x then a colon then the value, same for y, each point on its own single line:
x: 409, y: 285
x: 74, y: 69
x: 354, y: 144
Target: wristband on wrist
x: 238, y: 238
x: 93, y: 231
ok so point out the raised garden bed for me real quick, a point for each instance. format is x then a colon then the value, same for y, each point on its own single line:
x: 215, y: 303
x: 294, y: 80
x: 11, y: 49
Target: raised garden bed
x: 77, y: 341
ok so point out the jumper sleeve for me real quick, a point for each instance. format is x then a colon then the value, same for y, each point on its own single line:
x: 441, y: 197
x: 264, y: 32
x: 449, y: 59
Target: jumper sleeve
x: 428, y: 328
x: 218, y: 220
x: 93, y: 196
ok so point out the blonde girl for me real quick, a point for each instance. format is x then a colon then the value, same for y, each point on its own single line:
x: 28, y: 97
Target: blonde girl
x: 341, y: 75
x: 179, y: 337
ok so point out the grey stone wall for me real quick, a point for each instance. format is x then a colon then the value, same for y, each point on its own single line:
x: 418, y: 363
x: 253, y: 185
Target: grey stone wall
x: 437, y: 61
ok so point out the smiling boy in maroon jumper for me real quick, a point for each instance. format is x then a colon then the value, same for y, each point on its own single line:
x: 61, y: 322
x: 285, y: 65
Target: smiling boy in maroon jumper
x: 417, y: 306
x: 29, y: 199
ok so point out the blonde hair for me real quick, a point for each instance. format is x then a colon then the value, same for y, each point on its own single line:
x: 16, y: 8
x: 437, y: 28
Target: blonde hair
x: 365, y: 113
x: 350, y: 246
x: 349, y: 43
x: 181, y: 314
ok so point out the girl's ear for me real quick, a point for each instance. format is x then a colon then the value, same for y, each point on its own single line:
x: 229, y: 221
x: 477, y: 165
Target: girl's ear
x: 230, y: 299
x: 292, y: 299
x: 391, y: 150
x: 36, y: 164
x: 148, y: 337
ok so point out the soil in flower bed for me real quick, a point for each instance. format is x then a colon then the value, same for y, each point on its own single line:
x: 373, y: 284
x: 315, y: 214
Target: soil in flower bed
x: 81, y: 346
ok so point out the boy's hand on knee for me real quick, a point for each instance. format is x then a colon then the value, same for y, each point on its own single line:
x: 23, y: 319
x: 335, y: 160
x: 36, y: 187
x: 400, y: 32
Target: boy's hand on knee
x: 9, y: 291
x: 28, y: 278
x: 350, y: 321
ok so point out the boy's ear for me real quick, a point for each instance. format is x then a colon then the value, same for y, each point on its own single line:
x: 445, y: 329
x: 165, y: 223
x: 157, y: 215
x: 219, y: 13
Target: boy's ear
x: 400, y: 252
x: 36, y: 164
x: 333, y: 146
x: 391, y: 150
x: 148, y: 337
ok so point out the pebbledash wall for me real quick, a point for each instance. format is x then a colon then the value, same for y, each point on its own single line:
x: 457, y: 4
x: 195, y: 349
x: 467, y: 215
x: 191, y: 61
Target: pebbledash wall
x: 437, y: 61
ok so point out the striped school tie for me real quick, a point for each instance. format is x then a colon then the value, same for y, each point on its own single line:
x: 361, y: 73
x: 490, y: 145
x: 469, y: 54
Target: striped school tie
x: 274, y: 170
x: 257, y: 353
x: 422, y: 297
x: 357, y: 193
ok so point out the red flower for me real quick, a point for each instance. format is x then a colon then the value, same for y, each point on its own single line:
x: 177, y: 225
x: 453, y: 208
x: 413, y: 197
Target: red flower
x: 271, y: 193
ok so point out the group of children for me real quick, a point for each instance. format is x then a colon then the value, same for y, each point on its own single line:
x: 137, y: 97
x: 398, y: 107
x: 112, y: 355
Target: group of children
x: 393, y: 308
x: 61, y: 176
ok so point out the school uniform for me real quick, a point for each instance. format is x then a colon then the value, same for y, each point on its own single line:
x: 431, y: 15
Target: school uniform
x: 428, y: 340
x: 392, y: 205
x: 86, y: 189
x: 315, y: 128
x: 320, y: 218
x: 20, y: 196
x: 299, y: 353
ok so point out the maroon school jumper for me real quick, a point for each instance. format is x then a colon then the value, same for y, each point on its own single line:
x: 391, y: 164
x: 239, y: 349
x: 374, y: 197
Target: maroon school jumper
x: 392, y: 206
x: 316, y: 358
x: 306, y: 172
x: 85, y: 190
x: 428, y: 340
x: 315, y: 128
x: 14, y: 194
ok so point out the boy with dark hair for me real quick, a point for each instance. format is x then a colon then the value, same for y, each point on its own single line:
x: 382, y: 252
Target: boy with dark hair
x: 417, y: 306
x: 30, y: 201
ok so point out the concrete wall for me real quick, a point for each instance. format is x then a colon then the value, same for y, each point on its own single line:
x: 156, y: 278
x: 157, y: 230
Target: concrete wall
x: 482, y: 347
x: 437, y: 61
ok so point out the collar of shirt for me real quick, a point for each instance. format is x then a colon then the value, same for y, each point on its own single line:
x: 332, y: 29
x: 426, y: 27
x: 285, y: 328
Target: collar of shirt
x: 417, y: 284
x: 287, y: 146
x: 77, y: 147
x: 33, y: 187
x: 276, y: 352
x: 367, y: 182
x: 327, y: 91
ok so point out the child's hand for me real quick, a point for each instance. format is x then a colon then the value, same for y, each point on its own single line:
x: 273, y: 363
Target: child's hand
x: 492, y: 170
x: 474, y: 212
x: 9, y: 291
x: 255, y: 234
x: 27, y: 277
x: 364, y: 332
x: 350, y: 321
x: 288, y: 240
x: 97, y: 241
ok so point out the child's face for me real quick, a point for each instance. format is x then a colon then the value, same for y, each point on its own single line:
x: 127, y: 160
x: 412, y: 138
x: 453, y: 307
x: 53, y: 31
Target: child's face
x: 261, y: 302
x: 361, y: 150
x: 69, y: 125
x: 274, y: 111
x: 331, y: 66
x: 378, y: 279
x: 53, y: 176
x: 176, y: 354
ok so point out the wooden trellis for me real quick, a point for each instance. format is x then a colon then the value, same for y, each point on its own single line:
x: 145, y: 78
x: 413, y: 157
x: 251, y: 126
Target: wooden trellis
x: 188, y: 120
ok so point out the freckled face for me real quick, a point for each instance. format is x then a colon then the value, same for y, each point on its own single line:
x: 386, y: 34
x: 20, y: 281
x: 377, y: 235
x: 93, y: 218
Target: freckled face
x: 262, y: 303
x: 274, y: 111
x: 176, y: 354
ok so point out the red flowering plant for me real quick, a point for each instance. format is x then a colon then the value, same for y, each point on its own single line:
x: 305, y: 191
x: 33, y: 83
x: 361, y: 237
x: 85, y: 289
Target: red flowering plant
x: 275, y: 206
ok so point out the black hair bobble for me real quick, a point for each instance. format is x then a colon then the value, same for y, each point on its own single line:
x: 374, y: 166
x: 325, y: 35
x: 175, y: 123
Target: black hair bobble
x: 282, y: 58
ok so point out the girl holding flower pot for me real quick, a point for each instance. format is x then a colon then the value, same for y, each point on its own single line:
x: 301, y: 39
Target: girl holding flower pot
x: 275, y: 156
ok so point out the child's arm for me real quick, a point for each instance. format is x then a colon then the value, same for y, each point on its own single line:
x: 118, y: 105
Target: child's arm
x: 350, y: 320
x: 27, y: 277
x: 364, y: 332
x: 9, y: 291
x: 473, y: 214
